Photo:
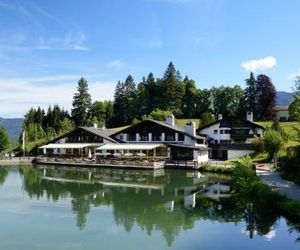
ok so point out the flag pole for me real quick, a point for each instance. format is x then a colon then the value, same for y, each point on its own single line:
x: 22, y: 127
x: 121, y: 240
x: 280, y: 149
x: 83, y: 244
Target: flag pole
x: 23, y: 142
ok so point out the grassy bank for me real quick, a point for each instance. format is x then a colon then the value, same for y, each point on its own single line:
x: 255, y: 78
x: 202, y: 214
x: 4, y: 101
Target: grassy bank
x: 247, y: 184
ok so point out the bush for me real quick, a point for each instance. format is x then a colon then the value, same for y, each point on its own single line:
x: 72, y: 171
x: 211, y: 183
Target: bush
x: 258, y: 144
x: 244, y: 178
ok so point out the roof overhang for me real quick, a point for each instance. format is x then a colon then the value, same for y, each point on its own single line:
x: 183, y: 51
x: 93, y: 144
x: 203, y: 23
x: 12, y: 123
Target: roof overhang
x: 130, y: 146
x: 188, y: 146
x: 67, y: 145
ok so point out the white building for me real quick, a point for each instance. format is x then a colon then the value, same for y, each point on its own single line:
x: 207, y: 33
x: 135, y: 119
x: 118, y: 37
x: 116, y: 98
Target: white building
x: 230, y: 137
x: 281, y: 113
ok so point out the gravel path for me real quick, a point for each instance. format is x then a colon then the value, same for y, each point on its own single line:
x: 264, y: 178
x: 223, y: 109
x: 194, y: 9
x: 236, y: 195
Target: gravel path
x: 274, y: 180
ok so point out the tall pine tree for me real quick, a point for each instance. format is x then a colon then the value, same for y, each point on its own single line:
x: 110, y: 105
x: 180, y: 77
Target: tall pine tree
x: 172, y: 90
x: 250, y: 94
x: 124, y: 102
x: 81, y: 103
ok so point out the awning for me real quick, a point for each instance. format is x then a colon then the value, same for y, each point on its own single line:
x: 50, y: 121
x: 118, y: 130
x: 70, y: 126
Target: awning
x: 130, y: 146
x: 66, y: 145
x: 188, y: 146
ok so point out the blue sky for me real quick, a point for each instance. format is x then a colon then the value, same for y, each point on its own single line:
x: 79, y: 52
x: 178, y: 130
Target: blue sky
x: 47, y: 45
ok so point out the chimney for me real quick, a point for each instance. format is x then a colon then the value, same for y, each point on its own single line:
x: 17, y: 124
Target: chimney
x: 95, y: 125
x: 170, y: 119
x: 249, y: 116
x: 220, y: 117
x: 190, y: 128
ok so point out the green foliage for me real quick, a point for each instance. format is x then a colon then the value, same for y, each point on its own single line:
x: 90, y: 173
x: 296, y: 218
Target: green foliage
x: 227, y: 100
x: 266, y: 97
x: 297, y: 86
x: 158, y: 114
x: 258, y: 144
x: 273, y: 144
x: 294, y: 109
x: 276, y: 126
x: 215, y: 169
x: 290, y: 165
x: 244, y: 178
x: 259, y: 96
x: 3, y: 174
x: 4, y: 139
x: 124, y: 102
x: 81, y: 103
x: 207, y: 118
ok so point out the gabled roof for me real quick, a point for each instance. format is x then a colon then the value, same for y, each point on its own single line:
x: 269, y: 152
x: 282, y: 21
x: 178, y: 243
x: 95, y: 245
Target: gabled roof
x: 227, y: 122
x: 104, y: 133
x: 161, y: 123
x: 281, y: 108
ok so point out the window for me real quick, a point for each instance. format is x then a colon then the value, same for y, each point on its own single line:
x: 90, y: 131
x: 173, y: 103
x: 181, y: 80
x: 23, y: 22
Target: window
x: 200, y: 141
x: 170, y: 137
x: 121, y: 137
x: 144, y: 137
x: 132, y: 137
x: 156, y: 137
x: 224, y: 131
x: 215, y: 131
x: 180, y: 137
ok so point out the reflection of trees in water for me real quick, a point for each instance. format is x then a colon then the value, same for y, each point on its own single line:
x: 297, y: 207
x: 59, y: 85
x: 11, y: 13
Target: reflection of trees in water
x: 138, y: 207
x: 3, y: 174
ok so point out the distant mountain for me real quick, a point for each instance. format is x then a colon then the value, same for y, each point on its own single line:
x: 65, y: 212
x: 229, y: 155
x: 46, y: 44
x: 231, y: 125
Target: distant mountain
x: 284, y: 98
x: 13, y: 127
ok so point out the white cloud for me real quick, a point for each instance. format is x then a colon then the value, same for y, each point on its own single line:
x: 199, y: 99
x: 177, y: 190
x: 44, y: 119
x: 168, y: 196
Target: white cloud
x: 18, y: 95
x: 115, y: 64
x: 259, y: 64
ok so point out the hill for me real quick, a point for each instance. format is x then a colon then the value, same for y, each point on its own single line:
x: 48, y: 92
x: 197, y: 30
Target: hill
x: 284, y: 98
x: 13, y: 127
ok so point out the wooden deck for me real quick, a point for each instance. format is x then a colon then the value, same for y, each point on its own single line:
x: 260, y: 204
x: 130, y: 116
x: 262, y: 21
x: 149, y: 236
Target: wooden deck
x: 150, y: 166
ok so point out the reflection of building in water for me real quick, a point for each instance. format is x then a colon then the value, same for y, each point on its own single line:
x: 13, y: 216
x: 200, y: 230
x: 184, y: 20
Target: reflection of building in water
x: 157, y: 183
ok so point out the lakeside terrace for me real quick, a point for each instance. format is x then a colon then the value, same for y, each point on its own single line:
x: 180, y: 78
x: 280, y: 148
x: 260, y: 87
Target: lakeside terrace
x: 143, y: 156
x: 149, y: 143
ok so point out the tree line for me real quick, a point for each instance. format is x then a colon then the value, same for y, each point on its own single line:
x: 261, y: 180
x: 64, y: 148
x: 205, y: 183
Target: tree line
x: 153, y: 97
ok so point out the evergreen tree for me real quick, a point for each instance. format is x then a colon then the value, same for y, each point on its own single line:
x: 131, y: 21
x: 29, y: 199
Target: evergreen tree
x: 124, y: 102
x: 4, y: 139
x: 81, y: 103
x: 172, y: 90
x: 266, y: 97
x: 250, y: 94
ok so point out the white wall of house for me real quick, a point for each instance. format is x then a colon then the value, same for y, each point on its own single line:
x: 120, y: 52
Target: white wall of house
x: 282, y: 115
x: 214, y: 132
x: 238, y: 153
x: 201, y: 156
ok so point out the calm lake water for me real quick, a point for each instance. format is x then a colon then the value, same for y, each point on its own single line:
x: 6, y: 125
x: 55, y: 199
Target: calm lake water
x: 67, y: 208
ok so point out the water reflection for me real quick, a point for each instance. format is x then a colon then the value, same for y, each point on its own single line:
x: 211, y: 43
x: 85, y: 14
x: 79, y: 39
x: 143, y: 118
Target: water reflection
x: 3, y: 174
x: 165, y: 201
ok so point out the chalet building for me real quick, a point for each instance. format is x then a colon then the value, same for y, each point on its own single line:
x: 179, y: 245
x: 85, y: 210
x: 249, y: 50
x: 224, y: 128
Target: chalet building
x: 230, y: 137
x: 151, y: 138
x: 181, y: 143
x: 80, y: 141
x: 281, y: 113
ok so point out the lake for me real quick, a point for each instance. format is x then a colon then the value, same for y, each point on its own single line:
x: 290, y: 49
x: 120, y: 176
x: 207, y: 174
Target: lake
x: 68, y: 208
